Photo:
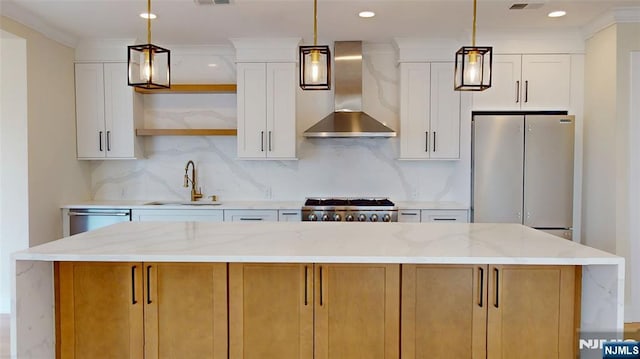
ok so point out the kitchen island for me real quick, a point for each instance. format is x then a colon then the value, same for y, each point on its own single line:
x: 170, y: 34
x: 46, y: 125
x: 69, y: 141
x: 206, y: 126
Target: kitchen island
x: 488, y: 248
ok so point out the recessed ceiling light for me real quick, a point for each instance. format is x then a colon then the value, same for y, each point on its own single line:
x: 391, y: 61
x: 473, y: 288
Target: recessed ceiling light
x: 212, y: 65
x: 367, y: 14
x: 145, y: 15
x: 558, y: 13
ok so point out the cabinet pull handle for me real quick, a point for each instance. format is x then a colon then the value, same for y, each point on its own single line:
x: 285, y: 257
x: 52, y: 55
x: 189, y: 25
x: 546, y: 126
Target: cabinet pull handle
x: 100, y: 140
x: 108, y: 140
x: 481, y: 286
x: 306, y: 302
x: 269, y: 141
x: 434, y: 141
x: 426, y: 141
x: 251, y: 219
x: 444, y: 219
x: 517, y: 91
x: 526, y: 91
x: 496, y: 281
x: 289, y: 213
x: 148, y: 284
x: 133, y: 285
x: 261, y: 141
x: 321, y: 292
x: 408, y: 213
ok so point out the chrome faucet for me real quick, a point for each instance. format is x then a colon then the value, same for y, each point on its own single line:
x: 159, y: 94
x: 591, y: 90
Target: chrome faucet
x: 195, y: 195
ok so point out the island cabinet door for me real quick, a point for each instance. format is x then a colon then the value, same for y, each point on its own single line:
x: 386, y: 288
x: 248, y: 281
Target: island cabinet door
x: 357, y: 311
x: 533, y: 312
x: 185, y: 310
x: 270, y: 311
x: 444, y: 311
x: 100, y: 310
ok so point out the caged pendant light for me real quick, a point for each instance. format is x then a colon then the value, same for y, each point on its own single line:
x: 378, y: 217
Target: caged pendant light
x: 473, y: 64
x: 148, y: 64
x: 315, y: 61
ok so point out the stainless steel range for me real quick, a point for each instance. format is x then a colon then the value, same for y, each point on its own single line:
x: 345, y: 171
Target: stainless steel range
x: 349, y: 210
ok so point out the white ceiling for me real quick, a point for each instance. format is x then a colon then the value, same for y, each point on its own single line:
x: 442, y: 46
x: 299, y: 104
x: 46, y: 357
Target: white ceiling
x: 185, y: 22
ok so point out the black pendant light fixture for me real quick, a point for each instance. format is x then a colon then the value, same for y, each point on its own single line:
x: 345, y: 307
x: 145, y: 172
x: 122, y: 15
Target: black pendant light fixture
x: 148, y: 64
x: 473, y: 64
x: 315, y: 61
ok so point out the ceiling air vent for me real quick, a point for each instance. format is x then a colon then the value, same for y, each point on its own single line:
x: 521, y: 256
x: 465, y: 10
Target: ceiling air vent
x: 211, y: 2
x: 525, y: 6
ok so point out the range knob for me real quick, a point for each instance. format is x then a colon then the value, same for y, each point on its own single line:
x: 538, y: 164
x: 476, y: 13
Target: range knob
x: 337, y: 217
x: 374, y: 218
x: 325, y: 217
x: 386, y: 217
x: 349, y: 218
x: 312, y: 217
x: 362, y: 217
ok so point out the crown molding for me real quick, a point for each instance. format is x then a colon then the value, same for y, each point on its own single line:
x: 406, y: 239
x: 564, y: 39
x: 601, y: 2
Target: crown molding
x: 618, y: 15
x: 19, y: 14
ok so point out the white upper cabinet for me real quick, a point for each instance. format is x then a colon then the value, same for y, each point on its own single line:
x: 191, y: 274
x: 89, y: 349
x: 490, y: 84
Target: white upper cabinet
x: 429, y: 112
x: 527, y: 82
x: 106, y: 112
x: 266, y: 110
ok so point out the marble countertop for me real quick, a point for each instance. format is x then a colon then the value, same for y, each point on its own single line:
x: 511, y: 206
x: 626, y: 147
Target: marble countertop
x: 313, y: 242
x: 247, y: 205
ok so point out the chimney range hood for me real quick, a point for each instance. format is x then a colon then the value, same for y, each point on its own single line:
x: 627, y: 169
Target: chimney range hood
x: 348, y: 120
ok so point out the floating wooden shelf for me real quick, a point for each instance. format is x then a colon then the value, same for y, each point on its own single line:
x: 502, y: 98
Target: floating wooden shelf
x: 186, y: 132
x: 192, y: 88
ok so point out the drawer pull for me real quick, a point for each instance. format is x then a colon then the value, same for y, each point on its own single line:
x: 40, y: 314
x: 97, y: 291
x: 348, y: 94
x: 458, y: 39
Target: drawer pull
x: 445, y: 219
x: 480, y: 286
x: 289, y: 213
x: 133, y: 285
x: 408, y: 214
x: 148, y: 284
x: 251, y: 219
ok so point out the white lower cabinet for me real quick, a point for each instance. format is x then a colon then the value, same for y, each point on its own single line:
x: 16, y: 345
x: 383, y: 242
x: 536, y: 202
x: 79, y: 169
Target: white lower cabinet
x: 448, y: 215
x: 289, y: 215
x: 250, y: 215
x: 188, y: 215
x: 409, y: 215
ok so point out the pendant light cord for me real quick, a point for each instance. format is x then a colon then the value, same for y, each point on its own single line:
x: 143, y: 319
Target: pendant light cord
x: 315, y: 22
x: 473, y: 36
x: 148, y: 21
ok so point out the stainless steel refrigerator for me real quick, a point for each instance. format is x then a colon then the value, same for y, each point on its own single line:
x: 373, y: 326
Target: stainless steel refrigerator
x: 522, y: 169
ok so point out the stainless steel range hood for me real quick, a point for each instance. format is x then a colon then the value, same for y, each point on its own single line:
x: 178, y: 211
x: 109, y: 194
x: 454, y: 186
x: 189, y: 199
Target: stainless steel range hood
x: 348, y: 120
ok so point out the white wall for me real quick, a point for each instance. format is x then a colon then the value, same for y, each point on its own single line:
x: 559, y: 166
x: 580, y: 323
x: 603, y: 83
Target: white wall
x: 14, y: 210
x: 55, y: 176
x: 609, y: 218
x: 633, y: 310
x: 599, y: 136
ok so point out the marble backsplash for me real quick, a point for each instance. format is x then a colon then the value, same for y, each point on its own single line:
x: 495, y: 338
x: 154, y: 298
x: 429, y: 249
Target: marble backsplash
x: 326, y: 167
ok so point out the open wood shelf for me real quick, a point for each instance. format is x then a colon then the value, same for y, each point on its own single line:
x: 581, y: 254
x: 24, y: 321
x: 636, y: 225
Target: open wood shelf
x: 192, y: 88
x: 186, y: 132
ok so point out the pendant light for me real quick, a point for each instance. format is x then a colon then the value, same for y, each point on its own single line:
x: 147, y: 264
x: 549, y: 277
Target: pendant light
x: 473, y: 64
x: 148, y: 64
x: 315, y: 61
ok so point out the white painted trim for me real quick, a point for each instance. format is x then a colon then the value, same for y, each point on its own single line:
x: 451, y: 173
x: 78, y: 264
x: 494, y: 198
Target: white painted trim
x: 266, y: 49
x: 576, y: 108
x: 15, y: 12
x: 632, y: 313
x: 513, y: 42
x: 616, y: 16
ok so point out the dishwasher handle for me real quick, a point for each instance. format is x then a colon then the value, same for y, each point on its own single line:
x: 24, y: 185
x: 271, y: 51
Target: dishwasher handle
x: 122, y: 214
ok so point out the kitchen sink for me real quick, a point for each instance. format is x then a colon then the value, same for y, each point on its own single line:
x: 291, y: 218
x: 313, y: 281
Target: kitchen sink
x: 181, y: 203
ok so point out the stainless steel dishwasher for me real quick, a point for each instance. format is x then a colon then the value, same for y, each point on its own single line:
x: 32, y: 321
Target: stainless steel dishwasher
x: 86, y: 219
